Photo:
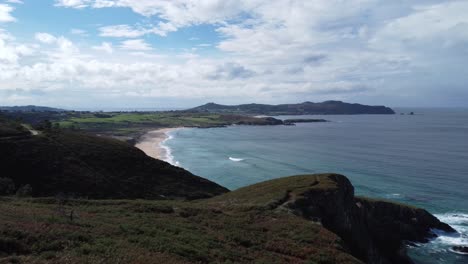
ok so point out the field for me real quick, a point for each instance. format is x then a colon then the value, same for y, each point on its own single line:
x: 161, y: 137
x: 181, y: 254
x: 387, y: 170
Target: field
x: 134, y: 124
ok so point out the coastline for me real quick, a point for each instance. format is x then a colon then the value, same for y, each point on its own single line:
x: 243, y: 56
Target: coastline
x: 151, y: 143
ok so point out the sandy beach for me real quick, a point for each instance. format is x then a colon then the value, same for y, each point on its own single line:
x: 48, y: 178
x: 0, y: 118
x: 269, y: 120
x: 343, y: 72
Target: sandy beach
x: 150, y: 143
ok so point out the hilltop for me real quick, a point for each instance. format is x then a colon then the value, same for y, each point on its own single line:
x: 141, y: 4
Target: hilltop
x: 30, y: 108
x: 306, y: 108
x: 56, y: 161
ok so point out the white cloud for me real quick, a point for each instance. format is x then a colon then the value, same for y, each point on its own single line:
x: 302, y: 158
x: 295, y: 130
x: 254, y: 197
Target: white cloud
x: 105, y: 46
x: 5, y: 13
x: 45, y: 38
x: 64, y: 47
x: 15, y: 1
x: 121, y: 31
x: 441, y: 25
x: 292, y: 50
x: 127, y: 31
x: 73, y: 3
x: 135, y: 45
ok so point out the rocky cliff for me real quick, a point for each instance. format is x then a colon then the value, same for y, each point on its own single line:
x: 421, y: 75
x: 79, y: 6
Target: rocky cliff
x: 373, y: 231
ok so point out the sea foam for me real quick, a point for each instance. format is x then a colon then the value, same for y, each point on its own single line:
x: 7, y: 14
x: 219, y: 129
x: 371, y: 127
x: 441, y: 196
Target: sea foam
x: 168, y: 152
x: 459, y: 221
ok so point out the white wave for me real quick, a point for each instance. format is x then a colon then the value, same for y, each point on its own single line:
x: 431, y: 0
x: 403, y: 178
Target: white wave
x: 168, y: 152
x: 459, y: 222
x: 235, y: 159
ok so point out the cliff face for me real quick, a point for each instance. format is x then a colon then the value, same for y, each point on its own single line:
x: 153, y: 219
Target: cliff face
x: 373, y: 231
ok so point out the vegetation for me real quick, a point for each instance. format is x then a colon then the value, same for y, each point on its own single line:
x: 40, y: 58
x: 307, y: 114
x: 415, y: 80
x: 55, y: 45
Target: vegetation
x: 306, y: 108
x: 300, y: 219
x: 88, y: 166
x: 123, y: 231
x: 9, y: 128
x: 134, y: 124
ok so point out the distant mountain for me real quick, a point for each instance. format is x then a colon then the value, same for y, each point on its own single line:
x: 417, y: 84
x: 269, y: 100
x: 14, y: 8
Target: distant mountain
x: 88, y: 166
x: 306, y: 108
x: 30, y: 108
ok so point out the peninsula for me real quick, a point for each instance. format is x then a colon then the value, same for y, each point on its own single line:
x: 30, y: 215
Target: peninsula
x: 306, y: 108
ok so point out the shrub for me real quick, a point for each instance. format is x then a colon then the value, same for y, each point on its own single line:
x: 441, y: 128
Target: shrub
x: 24, y: 191
x: 7, y: 186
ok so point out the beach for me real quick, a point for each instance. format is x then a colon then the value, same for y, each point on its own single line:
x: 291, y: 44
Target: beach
x: 150, y: 143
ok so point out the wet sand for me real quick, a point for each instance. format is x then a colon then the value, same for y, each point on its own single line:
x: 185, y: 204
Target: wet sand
x: 150, y: 143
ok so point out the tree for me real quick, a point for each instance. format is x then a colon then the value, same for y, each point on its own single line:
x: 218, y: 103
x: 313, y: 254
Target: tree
x: 7, y: 186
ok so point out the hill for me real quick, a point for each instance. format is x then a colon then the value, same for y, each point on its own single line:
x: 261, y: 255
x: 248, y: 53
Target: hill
x: 30, y: 108
x: 299, y: 219
x: 82, y: 165
x: 306, y: 108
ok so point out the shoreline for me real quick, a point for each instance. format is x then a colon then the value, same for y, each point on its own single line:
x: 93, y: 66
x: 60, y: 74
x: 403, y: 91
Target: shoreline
x: 151, y: 143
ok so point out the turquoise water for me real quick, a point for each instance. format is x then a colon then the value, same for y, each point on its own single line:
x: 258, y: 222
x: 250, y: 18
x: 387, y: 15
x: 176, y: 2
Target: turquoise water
x: 420, y: 160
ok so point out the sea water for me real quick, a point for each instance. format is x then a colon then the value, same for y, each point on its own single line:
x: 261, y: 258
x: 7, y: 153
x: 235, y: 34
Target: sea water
x: 419, y: 159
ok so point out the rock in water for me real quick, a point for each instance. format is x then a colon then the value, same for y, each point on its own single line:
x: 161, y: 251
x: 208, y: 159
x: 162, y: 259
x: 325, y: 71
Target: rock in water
x: 461, y: 249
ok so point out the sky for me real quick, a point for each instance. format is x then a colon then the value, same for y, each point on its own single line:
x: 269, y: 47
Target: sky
x: 181, y: 53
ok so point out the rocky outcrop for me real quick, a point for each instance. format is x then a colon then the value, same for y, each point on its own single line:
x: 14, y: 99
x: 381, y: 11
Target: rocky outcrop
x: 375, y: 231
x: 461, y: 249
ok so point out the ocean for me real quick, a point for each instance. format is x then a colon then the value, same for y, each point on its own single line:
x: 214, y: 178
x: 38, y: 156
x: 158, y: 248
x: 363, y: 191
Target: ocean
x: 419, y: 159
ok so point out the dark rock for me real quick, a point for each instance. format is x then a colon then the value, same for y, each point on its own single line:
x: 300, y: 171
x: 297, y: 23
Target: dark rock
x: 294, y: 121
x: 375, y: 231
x: 461, y: 249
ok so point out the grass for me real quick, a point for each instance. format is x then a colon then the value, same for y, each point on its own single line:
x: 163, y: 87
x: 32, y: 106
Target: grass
x: 129, y: 123
x: 268, y: 193
x: 123, y: 231
x: 133, y: 124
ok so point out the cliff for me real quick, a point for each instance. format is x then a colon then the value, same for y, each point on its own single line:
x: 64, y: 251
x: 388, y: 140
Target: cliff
x: 374, y: 231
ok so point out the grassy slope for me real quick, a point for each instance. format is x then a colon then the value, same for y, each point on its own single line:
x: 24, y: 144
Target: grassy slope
x: 9, y: 128
x: 224, y: 229
x: 131, y: 123
x: 40, y: 231
x: 90, y: 166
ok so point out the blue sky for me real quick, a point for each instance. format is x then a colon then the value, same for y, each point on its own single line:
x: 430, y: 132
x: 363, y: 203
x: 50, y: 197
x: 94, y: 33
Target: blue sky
x: 180, y: 53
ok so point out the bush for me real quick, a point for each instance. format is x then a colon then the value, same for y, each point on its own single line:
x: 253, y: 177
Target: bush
x: 7, y: 186
x: 24, y: 191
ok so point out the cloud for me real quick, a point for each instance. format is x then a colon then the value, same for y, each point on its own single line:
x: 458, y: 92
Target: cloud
x: 230, y: 71
x: 5, y: 13
x: 121, y: 31
x: 63, y: 46
x: 437, y: 26
x: 127, y: 31
x: 105, y: 46
x: 135, y: 45
x: 271, y: 50
x: 45, y: 38
x: 15, y: 1
x: 72, y: 3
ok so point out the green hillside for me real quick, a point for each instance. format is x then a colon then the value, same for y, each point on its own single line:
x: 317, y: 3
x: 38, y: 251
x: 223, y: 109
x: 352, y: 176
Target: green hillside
x: 300, y: 219
x: 88, y: 166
